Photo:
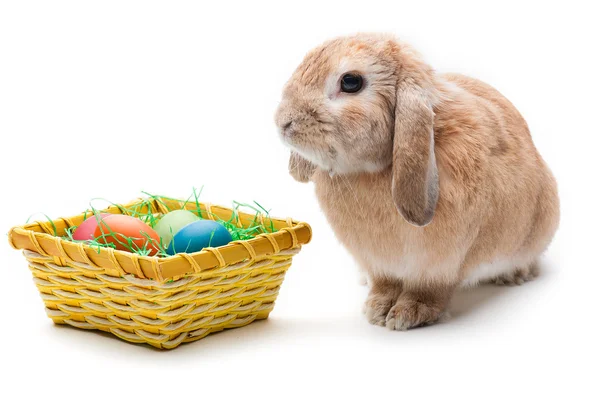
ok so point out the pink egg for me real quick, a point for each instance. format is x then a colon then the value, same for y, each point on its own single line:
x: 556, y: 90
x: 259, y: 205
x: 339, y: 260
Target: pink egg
x: 86, y: 229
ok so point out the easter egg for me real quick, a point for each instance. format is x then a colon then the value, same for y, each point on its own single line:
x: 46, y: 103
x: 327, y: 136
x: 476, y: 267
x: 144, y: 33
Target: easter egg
x: 86, y: 229
x: 171, y: 223
x: 198, y: 235
x: 127, y: 233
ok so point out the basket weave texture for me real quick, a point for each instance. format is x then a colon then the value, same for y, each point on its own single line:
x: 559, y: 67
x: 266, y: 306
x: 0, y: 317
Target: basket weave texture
x: 159, y: 301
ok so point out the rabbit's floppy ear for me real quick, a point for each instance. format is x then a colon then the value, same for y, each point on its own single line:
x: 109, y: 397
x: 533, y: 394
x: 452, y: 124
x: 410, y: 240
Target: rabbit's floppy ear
x: 415, y: 186
x: 301, y: 169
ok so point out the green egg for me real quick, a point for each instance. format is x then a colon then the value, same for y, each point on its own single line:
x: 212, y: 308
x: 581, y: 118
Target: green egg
x: 172, y: 222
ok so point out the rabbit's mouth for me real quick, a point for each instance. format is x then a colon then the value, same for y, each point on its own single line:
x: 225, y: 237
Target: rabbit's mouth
x: 324, y: 159
x: 335, y: 162
x: 326, y: 149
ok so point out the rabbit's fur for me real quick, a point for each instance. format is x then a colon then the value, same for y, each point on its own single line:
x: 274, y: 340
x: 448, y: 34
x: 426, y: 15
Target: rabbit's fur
x: 431, y: 181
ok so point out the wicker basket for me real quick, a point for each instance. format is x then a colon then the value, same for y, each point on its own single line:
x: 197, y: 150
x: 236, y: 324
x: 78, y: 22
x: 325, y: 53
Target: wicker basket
x: 159, y: 301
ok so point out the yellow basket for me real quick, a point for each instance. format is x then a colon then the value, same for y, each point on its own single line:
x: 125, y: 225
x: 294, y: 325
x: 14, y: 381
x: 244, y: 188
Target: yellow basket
x: 159, y: 301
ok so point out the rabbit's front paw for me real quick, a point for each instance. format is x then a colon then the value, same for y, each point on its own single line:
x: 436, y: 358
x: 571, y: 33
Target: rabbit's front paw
x: 377, y: 307
x: 383, y: 295
x: 408, y: 313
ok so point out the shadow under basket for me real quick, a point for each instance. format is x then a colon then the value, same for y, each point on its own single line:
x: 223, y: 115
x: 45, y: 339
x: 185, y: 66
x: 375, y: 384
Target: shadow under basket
x: 160, y: 301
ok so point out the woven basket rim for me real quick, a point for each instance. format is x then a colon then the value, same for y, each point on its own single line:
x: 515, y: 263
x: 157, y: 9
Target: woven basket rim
x: 38, y: 237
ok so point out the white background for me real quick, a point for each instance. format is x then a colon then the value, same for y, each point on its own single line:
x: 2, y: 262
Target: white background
x: 106, y: 99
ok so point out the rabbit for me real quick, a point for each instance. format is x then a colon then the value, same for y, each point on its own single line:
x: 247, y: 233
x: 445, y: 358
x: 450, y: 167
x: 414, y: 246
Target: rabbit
x: 431, y: 181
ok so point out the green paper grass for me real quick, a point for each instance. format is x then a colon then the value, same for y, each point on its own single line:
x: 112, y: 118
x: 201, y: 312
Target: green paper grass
x: 142, y: 211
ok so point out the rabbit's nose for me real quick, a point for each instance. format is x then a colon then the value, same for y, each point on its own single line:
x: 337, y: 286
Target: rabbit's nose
x: 287, y: 129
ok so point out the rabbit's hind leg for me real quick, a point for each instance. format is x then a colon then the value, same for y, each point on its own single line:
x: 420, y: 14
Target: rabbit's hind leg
x: 518, y: 276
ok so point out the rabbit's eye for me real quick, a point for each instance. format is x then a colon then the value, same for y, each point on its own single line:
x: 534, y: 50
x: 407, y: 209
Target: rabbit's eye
x: 351, y: 83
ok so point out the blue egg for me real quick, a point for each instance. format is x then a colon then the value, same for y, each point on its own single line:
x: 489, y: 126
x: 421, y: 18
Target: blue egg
x: 198, y: 235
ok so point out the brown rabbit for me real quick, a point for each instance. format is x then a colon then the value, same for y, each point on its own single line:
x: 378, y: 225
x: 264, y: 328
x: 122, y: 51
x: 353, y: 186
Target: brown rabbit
x: 431, y: 181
